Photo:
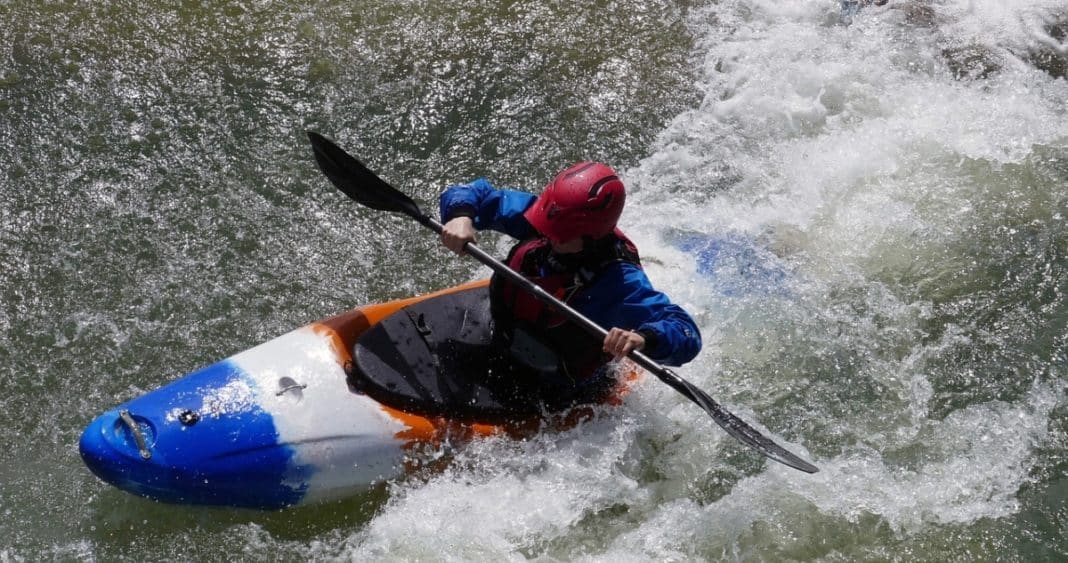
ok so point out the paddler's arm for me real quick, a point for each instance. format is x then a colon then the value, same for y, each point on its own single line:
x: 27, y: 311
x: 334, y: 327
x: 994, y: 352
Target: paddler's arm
x: 624, y: 297
x: 466, y: 208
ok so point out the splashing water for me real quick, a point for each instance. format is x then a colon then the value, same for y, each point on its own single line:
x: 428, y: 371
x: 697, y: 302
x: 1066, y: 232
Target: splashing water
x: 885, y: 200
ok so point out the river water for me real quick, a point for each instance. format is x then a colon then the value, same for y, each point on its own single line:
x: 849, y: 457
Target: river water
x: 885, y: 202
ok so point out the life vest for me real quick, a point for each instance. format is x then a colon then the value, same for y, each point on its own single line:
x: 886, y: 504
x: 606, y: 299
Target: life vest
x: 515, y: 310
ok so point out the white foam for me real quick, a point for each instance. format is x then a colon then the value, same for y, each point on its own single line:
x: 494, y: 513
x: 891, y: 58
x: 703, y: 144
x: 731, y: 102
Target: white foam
x: 845, y: 146
x: 501, y: 497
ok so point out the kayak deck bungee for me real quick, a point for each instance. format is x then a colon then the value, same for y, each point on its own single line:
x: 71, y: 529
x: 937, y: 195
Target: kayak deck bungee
x: 303, y: 418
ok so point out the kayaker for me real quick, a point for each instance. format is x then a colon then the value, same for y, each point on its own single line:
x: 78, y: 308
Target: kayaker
x: 569, y: 245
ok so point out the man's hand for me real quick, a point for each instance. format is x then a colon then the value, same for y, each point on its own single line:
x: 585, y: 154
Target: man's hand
x: 458, y: 232
x: 619, y: 342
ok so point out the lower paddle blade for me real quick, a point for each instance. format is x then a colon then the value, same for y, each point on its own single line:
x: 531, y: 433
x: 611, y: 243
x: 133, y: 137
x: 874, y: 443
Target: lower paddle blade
x: 357, y: 181
x: 735, y: 426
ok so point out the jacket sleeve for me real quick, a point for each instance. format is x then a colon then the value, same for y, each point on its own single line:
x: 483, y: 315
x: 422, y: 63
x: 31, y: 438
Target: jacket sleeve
x: 489, y: 207
x: 623, y: 297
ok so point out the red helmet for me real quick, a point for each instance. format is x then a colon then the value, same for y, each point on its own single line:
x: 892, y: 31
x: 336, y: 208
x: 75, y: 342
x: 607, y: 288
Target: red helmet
x: 585, y: 200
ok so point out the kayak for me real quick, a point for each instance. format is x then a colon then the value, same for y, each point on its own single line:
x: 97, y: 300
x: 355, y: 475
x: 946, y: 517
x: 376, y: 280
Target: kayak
x: 325, y: 411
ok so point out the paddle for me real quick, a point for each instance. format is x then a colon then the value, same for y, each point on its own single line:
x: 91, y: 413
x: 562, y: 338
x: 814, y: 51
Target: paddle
x: 359, y: 183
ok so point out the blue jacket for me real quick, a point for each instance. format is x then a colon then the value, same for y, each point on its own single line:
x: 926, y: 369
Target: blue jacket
x: 620, y: 296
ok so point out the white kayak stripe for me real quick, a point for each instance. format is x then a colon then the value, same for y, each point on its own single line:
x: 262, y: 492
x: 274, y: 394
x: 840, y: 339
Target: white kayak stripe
x: 348, y: 437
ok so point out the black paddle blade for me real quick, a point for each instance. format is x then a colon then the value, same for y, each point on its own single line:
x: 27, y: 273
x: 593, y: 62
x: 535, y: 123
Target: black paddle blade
x: 735, y: 426
x: 357, y: 181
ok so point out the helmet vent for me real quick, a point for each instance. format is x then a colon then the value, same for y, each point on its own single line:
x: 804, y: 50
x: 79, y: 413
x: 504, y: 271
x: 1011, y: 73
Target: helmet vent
x: 596, y: 187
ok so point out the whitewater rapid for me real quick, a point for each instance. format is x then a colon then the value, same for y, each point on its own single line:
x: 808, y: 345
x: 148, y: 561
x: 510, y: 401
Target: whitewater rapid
x: 867, y: 165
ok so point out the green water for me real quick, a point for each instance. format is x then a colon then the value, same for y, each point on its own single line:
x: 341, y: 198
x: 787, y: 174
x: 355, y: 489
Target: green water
x: 160, y: 210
